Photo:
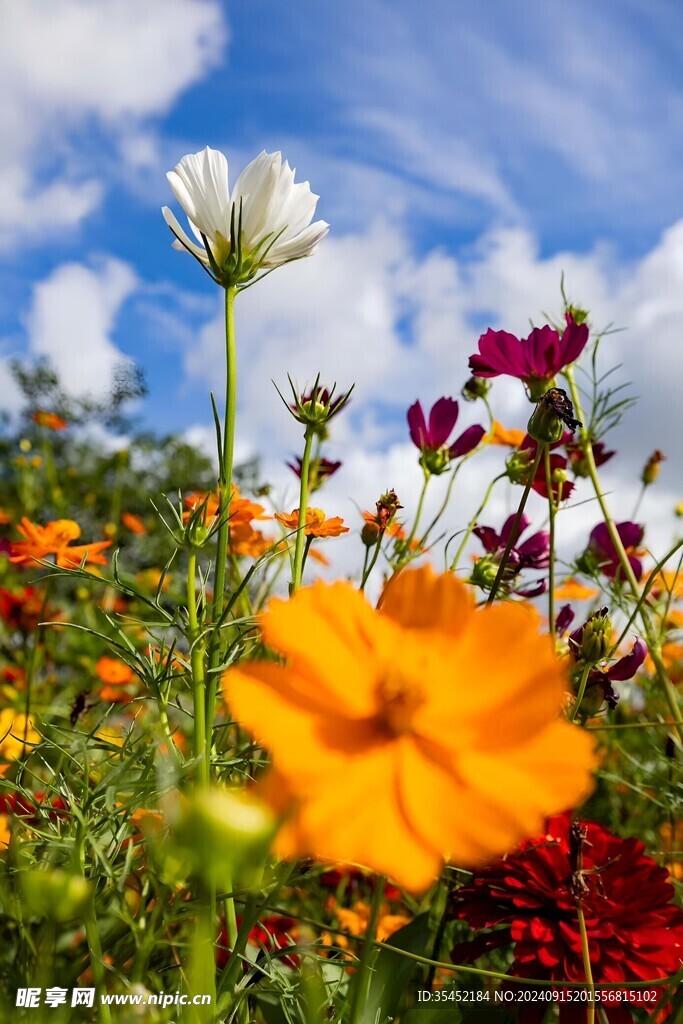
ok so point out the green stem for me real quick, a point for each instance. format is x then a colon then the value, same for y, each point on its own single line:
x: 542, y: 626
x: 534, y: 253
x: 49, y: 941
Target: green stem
x: 96, y: 961
x: 650, y: 635
x: 298, y: 565
x: 225, y: 479
x: 512, y: 539
x: 367, y: 568
x: 473, y: 521
x: 418, y: 513
x: 585, y: 952
x: 581, y: 691
x: 202, y: 749
x: 363, y: 975
x: 551, y: 530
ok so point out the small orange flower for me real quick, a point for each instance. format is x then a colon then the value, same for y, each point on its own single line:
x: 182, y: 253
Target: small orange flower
x: 50, y: 420
x: 574, y: 590
x: 426, y: 731
x: 5, y: 833
x: 507, y: 438
x: 244, y: 539
x: 316, y: 523
x: 318, y: 556
x: 248, y: 542
x: 116, y: 676
x: 133, y: 523
x: 55, y: 539
x: 5, y: 517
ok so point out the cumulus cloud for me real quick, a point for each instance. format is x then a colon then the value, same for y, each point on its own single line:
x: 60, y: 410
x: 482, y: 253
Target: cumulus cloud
x: 368, y: 309
x: 71, y: 318
x: 66, y: 68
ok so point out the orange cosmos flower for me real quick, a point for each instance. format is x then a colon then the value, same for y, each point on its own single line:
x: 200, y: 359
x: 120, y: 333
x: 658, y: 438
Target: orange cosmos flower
x: 573, y: 590
x: 244, y: 539
x: 507, y: 438
x: 5, y: 517
x: 55, y: 539
x: 50, y: 420
x: 426, y: 731
x: 316, y: 523
x: 116, y: 676
x: 133, y: 523
x: 5, y: 833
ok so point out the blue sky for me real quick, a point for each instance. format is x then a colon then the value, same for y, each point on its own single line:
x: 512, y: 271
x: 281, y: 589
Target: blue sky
x: 464, y: 153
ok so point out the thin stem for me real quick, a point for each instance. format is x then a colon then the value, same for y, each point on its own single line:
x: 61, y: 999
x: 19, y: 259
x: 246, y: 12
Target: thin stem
x: 363, y: 975
x: 225, y: 480
x: 420, y: 504
x: 515, y: 526
x: 551, y: 530
x: 298, y: 565
x: 202, y: 749
x: 650, y: 635
x: 473, y: 521
x: 367, y: 569
x: 92, y: 936
x: 585, y: 952
x: 581, y: 691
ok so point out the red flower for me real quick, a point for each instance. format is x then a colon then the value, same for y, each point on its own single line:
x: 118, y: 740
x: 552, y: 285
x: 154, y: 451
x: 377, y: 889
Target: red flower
x: 634, y: 931
x: 432, y: 436
x: 273, y: 933
x: 604, y: 552
x: 520, y: 463
x: 536, y: 359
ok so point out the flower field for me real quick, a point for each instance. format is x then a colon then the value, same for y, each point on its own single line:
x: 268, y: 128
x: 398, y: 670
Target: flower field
x: 239, y: 785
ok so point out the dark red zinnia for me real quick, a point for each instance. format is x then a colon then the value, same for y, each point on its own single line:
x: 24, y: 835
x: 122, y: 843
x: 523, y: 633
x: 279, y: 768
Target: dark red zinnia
x: 530, y: 898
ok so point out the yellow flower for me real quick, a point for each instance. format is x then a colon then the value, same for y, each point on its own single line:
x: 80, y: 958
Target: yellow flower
x: 422, y: 732
x: 16, y: 734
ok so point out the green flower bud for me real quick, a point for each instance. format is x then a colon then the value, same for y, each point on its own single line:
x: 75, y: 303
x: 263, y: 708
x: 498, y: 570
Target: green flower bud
x: 435, y: 461
x: 553, y: 412
x: 55, y: 894
x: 476, y: 387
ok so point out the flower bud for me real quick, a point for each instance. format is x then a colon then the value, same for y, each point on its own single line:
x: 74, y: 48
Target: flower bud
x: 651, y: 467
x: 517, y: 466
x: 55, y: 893
x: 370, y: 534
x: 553, y: 412
x: 225, y: 835
x: 435, y: 461
x: 678, y: 510
x: 579, y: 316
x: 476, y: 387
x: 592, y: 641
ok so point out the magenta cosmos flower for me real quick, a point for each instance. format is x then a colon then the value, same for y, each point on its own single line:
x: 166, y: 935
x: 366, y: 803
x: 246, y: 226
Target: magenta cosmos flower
x: 536, y: 360
x: 602, y: 549
x: 431, y: 437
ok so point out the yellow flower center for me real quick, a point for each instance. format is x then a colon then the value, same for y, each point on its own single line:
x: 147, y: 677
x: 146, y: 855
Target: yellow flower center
x: 398, y: 698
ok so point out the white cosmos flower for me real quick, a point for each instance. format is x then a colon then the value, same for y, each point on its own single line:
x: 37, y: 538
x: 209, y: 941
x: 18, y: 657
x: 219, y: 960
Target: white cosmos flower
x: 264, y: 223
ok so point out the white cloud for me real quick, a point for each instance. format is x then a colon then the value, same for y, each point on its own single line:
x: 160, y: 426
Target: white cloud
x: 367, y: 309
x: 71, y: 318
x: 73, y: 65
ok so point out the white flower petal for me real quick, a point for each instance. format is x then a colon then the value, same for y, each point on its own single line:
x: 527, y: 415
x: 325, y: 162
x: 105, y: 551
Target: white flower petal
x: 256, y: 187
x: 182, y: 241
x: 304, y: 244
x: 200, y: 184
